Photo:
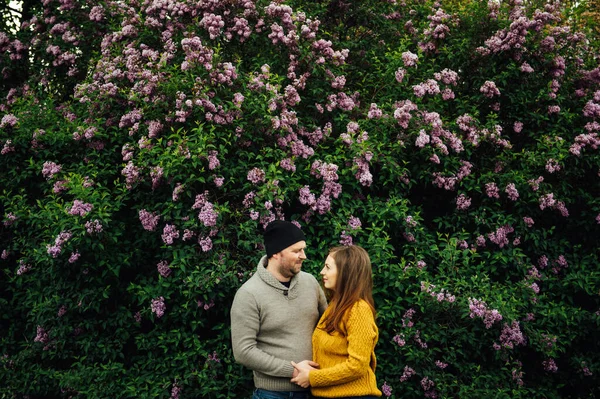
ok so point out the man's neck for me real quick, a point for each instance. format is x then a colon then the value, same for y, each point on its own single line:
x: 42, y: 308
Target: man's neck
x: 272, y: 268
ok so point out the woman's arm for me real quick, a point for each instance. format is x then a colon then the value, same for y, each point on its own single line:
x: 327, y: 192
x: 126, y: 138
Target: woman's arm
x: 361, y: 336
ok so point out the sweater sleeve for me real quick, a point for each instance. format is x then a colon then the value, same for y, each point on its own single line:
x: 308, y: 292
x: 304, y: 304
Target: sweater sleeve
x: 245, y: 326
x: 361, y: 335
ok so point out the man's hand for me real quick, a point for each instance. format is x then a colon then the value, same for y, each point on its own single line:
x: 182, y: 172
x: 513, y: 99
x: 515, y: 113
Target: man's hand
x: 301, y: 370
x: 309, y: 364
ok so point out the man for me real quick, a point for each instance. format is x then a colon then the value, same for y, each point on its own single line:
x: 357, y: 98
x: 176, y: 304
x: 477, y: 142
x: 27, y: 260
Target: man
x: 274, y: 313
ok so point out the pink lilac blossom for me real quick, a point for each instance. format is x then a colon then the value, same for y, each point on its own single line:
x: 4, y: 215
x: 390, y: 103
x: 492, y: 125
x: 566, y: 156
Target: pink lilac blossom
x: 93, y: 227
x: 205, y: 243
x: 407, y: 373
x: 553, y: 109
x: 552, y: 166
x: 175, y: 391
x: 409, y: 59
x: 441, y: 364
x: 386, y: 390
x: 354, y: 223
x: 9, y: 219
x: 80, y: 208
x: 512, y: 192
x: 149, y: 220
x: 500, y: 236
x: 345, y: 239
x: 41, y: 336
x: 400, y: 73
x: 492, y: 191
x: 518, y: 127
x: 528, y: 221
x: 399, y: 339
x: 5, y: 254
x: 511, y: 336
x: 50, y: 169
x: 23, y: 267
x: 479, y: 309
x: 547, y: 201
x: 489, y: 89
x: 543, y: 262
x: 170, y: 233
x: 550, y: 365
x: 208, y: 215
x: 61, y: 239
x: 158, y: 306
x: 8, y: 120
x: 463, y: 202
x: 525, y: 67
x: 423, y: 139
x: 374, y: 112
x: 535, y: 183
x: 256, y: 175
x: 8, y: 147
x: 74, y: 257
x: 163, y: 268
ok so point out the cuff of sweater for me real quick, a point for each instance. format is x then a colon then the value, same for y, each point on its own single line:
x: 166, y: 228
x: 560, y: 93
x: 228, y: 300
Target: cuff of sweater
x: 315, y: 378
x: 289, y: 370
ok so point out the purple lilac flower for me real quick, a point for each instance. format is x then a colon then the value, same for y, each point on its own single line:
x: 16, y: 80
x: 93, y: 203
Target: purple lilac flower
x: 354, y: 223
x: 50, y: 169
x: 149, y: 220
x: 205, y: 243
x: 163, y: 268
x: 256, y: 175
x: 550, y: 365
x: 345, y: 239
x: 511, y: 336
x: 170, y: 233
x: 409, y: 59
x: 386, y: 389
x: 158, y: 306
x: 74, y: 257
x: 399, y: 339
x: 23, y: 268
x: 479, y: 309
x: 489, y: 89
x: 93, y: 227
x: 463, y: 202
x: 41, y: 336
x: 80, y: 208
x: 407, y: 373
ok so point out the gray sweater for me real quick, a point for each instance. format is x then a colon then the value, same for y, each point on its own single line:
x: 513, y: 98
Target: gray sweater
x: 271, y: 325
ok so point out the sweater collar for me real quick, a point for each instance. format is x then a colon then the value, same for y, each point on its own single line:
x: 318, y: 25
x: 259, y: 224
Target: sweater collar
x: 268, y: 278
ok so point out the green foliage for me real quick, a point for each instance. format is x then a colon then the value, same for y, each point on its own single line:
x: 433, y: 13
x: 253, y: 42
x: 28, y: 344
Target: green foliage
x: 144, y: 146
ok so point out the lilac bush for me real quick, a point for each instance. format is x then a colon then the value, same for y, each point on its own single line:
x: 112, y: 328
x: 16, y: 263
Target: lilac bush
x: 145, y: 144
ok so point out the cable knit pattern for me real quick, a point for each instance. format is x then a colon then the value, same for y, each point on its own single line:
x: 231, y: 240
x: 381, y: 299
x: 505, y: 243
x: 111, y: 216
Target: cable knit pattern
x: 347, y: 363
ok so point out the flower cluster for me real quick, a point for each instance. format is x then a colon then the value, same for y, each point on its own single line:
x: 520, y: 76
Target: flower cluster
x: 479, y: 309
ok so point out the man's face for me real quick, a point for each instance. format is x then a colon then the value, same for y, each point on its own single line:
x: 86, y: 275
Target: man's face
x: 291, y: 258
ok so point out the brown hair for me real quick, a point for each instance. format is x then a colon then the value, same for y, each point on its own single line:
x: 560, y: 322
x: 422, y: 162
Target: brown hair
x: 354, y: 282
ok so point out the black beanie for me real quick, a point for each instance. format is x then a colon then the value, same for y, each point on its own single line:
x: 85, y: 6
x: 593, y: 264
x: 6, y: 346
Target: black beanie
x: 279, y: 235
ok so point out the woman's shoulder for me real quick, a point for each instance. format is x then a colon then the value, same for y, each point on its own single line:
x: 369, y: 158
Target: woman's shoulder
x: 361, y: 307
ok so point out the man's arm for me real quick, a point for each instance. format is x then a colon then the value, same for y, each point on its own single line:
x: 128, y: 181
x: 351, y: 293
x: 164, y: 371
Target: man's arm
x: 245, y: 325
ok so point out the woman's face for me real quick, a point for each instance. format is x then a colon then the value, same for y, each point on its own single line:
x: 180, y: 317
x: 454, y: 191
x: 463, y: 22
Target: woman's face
x: 329, y: 273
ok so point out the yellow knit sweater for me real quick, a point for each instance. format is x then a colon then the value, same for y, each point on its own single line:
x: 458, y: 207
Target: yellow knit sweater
x: 347, y: 363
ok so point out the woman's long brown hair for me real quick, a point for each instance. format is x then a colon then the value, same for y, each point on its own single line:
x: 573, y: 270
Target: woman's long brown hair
x: 354, y: 282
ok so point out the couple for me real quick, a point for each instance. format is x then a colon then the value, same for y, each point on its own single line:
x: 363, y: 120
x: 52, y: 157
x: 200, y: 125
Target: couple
x: 280, y: 321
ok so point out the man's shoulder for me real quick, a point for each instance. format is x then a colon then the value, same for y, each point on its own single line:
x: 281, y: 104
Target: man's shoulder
x: 305, y: 276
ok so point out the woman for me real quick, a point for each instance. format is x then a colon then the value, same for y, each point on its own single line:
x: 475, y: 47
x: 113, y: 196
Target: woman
x: 345, y: 338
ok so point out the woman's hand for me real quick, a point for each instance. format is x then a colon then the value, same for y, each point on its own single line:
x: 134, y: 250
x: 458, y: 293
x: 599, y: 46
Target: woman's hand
x: 303, y: 368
